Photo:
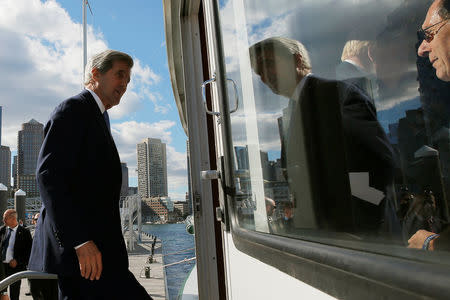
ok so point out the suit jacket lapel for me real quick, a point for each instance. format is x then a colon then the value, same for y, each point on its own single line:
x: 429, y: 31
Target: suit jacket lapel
x: 99, y: 119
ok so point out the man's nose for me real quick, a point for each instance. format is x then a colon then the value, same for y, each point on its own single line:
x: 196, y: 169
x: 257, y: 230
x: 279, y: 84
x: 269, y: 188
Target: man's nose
x: 424, y: 49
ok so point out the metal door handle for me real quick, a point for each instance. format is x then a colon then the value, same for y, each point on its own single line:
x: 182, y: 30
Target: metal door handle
x: 214, y: 113
x: 236, y: 96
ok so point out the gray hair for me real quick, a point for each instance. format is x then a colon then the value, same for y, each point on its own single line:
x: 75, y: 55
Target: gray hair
x: 355, y: 48
x: 284, y: 47
x: 444, y: 9
x: 104, y: 61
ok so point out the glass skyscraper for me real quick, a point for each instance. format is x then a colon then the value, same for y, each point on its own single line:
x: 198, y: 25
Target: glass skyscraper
x: 152, y: 168
x: 29, y: 141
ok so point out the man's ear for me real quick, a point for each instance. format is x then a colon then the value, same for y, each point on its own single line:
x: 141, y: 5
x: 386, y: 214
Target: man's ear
x: 298, y: 60
x: 95, y: 74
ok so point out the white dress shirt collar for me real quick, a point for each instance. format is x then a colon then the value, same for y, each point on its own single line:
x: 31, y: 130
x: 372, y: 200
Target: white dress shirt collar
x: 14, y: 228
x: 97, y: 99
x: 299, y: 87
x: 352, y: 62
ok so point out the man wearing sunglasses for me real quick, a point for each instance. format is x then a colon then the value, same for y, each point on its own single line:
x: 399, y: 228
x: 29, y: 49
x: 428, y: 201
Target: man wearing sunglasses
x: 435, y: 33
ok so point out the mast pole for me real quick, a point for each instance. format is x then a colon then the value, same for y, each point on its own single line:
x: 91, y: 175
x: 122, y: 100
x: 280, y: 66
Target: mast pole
x: 84, y: 38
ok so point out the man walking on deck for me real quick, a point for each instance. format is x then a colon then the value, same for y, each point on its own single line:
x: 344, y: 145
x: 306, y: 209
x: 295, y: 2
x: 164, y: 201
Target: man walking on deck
x: 78, y: 235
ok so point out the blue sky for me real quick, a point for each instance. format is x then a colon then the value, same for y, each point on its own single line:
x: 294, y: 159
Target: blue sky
x: 42, y: 64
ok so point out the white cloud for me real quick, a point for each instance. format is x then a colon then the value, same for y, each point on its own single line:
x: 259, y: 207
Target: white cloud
x: 143, y: 74
x: 41, y: 66
x: 160, y: 106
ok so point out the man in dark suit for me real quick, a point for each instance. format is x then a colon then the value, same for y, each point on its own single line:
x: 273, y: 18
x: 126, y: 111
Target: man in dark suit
x: 15, y: 248
x: 332, y: 132
x: 78, y: 235
x: 356, y: 67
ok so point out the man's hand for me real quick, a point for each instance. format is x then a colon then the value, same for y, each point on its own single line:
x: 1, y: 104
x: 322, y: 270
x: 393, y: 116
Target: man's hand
x: 13, y: 263
x: 90, y: 260
x: 418, y: 238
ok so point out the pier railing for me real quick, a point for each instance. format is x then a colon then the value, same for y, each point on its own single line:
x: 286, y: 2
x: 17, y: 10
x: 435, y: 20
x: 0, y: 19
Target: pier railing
x: 130, y: 215
x: 25, y: 274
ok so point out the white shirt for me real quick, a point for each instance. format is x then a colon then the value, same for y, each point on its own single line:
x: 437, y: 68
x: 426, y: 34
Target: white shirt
x: 97, y: 99
x: 12, y: 240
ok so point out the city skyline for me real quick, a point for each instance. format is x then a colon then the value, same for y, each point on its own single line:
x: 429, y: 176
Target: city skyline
x: 47, y: 55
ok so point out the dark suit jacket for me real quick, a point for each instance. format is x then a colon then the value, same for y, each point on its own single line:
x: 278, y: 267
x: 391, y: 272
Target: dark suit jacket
x: 336, y: 125
x: 79, y: 177
x: 22, y: 245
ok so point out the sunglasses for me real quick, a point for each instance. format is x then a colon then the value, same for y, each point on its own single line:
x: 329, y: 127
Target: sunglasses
x: 426, y: 35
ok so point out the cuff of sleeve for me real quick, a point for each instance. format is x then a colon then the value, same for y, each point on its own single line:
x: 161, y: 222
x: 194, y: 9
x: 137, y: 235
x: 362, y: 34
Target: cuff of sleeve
x: 76, y: 247
x: 427, y: 241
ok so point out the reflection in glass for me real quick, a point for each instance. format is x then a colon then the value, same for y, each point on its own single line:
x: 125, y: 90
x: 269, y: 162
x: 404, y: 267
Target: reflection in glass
x: 342, y: 132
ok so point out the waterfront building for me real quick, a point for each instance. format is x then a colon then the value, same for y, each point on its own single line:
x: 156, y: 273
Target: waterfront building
x: 5, y: 166
x: 124, y: 188
x: 14, y: 171
x: 152, y: 168
x: 168, y: 203
x: 158, y: 210
x: 29, y: 143
x: 182, y: 206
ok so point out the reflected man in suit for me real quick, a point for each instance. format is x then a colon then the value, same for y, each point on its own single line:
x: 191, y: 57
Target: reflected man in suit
x: 283, y: 65
x: 356, y: 67
x: 78, y: 235
x: 15, y: 248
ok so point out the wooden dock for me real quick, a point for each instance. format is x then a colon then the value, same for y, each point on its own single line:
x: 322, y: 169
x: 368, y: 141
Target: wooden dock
x: 155, y: 285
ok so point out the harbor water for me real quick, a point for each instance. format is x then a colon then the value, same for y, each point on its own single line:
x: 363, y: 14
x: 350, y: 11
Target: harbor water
x: 175, y: 240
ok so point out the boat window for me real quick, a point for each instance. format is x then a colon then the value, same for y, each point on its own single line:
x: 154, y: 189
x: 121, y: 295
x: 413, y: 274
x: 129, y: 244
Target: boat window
x: 341, y: 134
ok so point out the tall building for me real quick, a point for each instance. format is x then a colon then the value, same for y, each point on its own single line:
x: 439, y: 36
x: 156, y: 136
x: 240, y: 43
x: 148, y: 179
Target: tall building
x: 5, y: 166
x: 5, y: 160
x: 182, y: 206
x: 14, y: 171
x: 152, y: 168
x: 124, y: 189
x: 29, y: 143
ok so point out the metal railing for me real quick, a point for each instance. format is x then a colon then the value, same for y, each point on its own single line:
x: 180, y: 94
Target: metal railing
x: 25, y: 274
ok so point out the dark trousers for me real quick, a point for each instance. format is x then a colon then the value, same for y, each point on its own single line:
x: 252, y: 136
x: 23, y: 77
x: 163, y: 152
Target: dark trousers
x: 120, y: 285
x: 44, y: 289
x: 14, y: 289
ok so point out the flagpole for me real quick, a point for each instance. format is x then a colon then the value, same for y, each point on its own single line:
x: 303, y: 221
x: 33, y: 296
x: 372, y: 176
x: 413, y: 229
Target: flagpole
x: 84, y: 38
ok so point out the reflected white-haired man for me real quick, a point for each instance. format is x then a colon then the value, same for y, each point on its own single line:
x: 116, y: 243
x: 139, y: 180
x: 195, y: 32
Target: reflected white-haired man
x: 283, y: 64
x: 357, y: 67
